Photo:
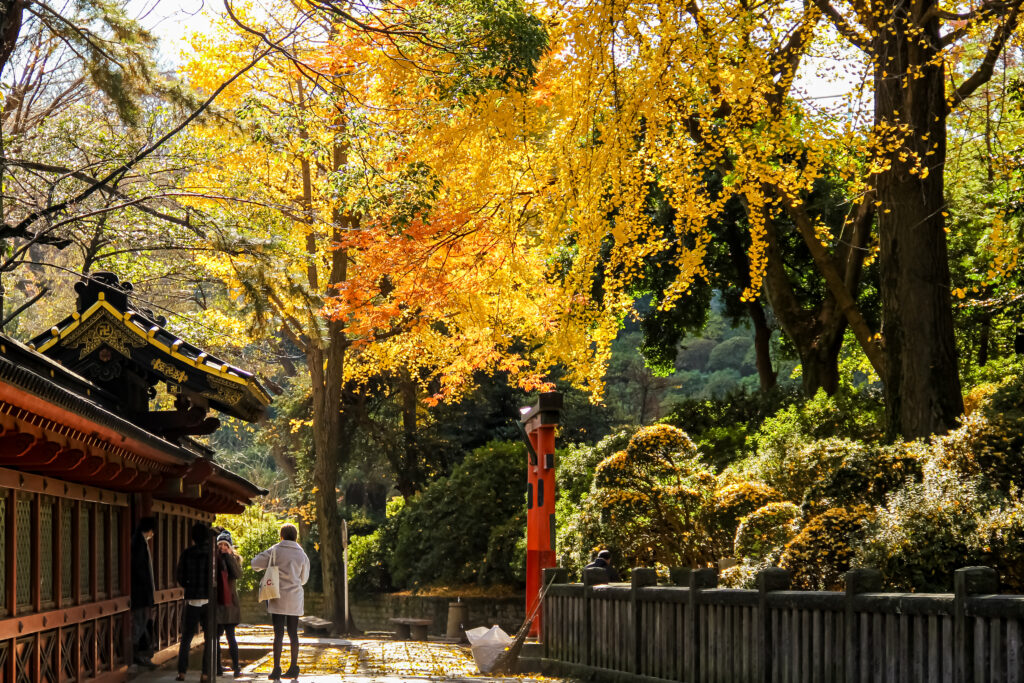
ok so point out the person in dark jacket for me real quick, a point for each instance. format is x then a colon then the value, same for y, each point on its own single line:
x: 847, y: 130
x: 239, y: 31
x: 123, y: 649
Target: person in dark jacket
x: 194, y: 571
x: 143, y: 590
x: 604, y: 561
x: 229, y: 612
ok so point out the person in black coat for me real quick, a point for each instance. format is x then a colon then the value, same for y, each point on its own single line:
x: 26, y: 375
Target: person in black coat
x: 143, y: 590
x: 194, y: 569
x: 604, y: 561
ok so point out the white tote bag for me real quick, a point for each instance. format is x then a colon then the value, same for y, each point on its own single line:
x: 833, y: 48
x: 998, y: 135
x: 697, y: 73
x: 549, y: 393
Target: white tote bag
x: 270, y: 584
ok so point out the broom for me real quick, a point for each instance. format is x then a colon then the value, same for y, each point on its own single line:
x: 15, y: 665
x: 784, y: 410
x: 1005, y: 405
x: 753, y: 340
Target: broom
x: 510, y: 656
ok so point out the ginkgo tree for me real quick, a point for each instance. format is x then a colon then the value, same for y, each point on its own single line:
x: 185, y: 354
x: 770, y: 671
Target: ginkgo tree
x: 372, y: 211
x: 667, y: 93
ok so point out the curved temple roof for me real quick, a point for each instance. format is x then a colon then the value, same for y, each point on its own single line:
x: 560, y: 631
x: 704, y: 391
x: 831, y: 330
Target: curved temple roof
x: 105, y: 320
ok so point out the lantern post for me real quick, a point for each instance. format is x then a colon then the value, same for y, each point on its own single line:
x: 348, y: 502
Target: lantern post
x: 538, y: 424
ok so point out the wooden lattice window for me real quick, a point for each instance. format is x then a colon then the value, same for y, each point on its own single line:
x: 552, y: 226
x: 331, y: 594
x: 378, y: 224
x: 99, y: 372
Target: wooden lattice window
x: 23, y: 552
x: 67, y: 561
x: 116, y: 539
x: 46, y: 550
x: 3, y: 551
x: 102, y: 550
x: 85, y: 552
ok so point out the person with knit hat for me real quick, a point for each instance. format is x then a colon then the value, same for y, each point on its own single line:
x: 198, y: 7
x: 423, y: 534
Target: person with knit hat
x: 229, y: 612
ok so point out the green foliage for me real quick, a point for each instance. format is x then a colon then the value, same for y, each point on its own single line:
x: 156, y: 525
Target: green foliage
x: 722, y: 428
x: 494, y: 44
x: 731, y: 503
x: 790, y: 455
x: 253, y: 531
x: 1000, y: 540
x: 866, y: 473
x: 925, y: 532
x: 825, y: 548
x: 367, y: 564
x: 995, y: 445
x: 446, y: 533
x: 732, y: 354
x: 646, y: 504
x: 764, y: 533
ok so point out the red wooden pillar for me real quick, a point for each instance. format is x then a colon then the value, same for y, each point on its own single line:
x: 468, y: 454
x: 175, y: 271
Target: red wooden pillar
x: 539, y: 423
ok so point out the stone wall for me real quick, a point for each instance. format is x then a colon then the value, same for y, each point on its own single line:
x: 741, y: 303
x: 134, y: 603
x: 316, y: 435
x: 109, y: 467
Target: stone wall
x: 372, y: 612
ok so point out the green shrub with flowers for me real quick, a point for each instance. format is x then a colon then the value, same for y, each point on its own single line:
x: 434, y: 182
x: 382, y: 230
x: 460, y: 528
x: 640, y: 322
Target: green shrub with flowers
x: 763, y: 534
x: 647, y: 503
x: 999, y: 539
x: 820, y: 493
x: 729, y: 505
x: 863, y: 473
x: 926, y: 531
x: 825, y: 548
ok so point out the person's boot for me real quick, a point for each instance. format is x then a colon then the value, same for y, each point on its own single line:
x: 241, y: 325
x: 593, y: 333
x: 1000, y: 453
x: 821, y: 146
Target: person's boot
x: 293, y: 671
x: 275, y: 675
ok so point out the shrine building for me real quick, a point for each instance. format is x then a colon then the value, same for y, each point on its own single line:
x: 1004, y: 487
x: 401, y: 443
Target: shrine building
x: 84, y: 454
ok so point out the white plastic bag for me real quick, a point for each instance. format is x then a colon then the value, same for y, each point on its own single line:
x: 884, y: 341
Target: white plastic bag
x: 270, y: 584
x: 487, y: 645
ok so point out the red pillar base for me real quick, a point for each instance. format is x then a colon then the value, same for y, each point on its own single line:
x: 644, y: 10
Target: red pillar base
x: 536, y: 562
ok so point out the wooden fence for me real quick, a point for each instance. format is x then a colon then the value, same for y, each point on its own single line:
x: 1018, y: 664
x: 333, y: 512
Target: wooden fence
x: 697, y: 633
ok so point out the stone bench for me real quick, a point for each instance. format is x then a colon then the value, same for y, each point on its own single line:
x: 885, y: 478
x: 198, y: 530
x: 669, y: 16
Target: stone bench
x: 316, y: 625
x: 410, y: 629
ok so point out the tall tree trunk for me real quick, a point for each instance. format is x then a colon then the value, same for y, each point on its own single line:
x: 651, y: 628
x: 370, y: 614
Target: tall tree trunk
x: 11, y: 13
x: 405, y: 474
x: 767, y: 376
x: 922, y: 384
x: 817, y: 334
x: 326, y: 349
x: 983, y: 341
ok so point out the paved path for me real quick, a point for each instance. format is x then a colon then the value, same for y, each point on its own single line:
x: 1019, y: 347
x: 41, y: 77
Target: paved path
x: 326, y: 660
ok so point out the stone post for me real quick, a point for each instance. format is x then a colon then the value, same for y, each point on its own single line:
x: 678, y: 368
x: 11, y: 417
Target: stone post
x: 967, y: 582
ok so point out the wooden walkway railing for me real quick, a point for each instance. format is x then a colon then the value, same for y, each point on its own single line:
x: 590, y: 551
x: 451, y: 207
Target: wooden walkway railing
x: 694, y: 632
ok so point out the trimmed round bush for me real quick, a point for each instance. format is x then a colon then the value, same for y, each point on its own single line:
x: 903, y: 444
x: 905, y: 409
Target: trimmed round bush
x: 824, y: 549
x: 765, y: 532
x: 732, y: 502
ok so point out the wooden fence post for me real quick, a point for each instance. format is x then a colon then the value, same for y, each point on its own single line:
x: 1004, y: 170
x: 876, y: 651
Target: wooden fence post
x: 771, y: 579
x: 700, y: 579
x: 857, y: 581
x: 549, y: 576
x: 966, y: 582
x: 591, y: 577
x: 641, y: 577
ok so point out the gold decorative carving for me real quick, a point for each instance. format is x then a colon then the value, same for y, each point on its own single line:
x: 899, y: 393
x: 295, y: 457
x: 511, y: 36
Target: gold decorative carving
x: 169, y: 370
x: 223, y: 392
x: 99, y: 329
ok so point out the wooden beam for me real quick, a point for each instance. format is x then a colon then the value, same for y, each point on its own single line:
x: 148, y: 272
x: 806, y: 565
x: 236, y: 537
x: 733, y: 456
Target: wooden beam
x: 18, y: 627
x: 34, y: 483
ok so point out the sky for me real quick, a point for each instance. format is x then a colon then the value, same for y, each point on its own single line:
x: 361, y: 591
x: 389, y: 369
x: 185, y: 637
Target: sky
x: 823, y: 84
x: 171, y: 21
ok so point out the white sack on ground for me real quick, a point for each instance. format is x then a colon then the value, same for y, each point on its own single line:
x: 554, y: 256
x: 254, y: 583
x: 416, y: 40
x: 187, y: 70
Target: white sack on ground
x: 487, y: 645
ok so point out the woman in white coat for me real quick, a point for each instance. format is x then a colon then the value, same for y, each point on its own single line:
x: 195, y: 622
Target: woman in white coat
x: 293, y: 566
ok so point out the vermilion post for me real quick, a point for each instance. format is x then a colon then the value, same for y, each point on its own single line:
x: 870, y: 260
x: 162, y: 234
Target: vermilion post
x: 539, y: 423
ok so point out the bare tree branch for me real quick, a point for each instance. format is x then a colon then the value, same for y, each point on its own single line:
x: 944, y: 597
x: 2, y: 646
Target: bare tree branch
x: 995, y: 48
x: 22, y: 229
